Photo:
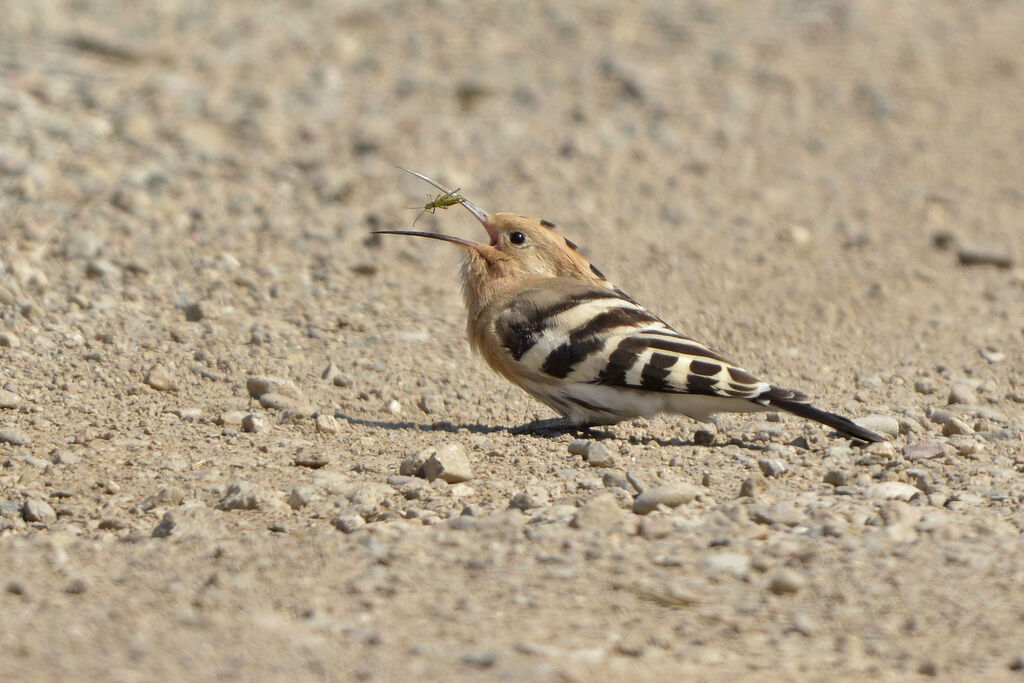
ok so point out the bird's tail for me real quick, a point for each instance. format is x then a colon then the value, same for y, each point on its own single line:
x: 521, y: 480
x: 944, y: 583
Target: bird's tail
x: 837, y: 422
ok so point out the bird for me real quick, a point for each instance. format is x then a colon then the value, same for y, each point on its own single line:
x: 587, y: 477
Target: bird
x: 548, y: 320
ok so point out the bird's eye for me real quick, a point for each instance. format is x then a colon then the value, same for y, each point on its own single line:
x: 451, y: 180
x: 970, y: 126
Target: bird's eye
x: 516, y: 237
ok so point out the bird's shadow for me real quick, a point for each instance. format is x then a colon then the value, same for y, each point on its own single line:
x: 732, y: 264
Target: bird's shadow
x: 550, y: 428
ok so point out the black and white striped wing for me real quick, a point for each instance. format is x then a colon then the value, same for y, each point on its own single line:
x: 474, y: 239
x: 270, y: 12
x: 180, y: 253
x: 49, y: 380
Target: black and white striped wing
x: 583, y: 333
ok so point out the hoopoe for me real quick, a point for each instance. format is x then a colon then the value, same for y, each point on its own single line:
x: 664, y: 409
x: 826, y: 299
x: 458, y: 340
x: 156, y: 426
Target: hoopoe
x: 549, y: 321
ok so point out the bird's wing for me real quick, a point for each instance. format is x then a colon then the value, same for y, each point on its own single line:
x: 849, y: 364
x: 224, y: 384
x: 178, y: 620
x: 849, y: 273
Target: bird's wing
x: 564, y: 329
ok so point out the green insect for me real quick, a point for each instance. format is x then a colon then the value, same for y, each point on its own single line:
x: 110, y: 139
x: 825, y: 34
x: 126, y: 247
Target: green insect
x: 441, y: 201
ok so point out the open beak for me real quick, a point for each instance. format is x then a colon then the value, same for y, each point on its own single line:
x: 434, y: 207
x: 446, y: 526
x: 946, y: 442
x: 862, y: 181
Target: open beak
x: 467, y: 244
x: 480, y: 214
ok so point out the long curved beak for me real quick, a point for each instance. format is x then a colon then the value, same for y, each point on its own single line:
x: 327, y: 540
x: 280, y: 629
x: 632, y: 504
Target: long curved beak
x: 480, y: 214
x: 466, y: 244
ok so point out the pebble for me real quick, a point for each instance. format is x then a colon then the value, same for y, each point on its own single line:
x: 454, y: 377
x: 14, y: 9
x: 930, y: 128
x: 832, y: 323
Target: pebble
x: 1016, y: 664
x: 786, y: 581
x: 36, y: 510
x: 727, y: 562
x: 287, y: 404
x: 786, y: 513
x: 412, y: 464
x: 258, y: 385
x: 14, y: 437
x: 992, y: 355
x: 669, y: 495
x: 326, y: 424
x: 191, y: 520
x: 253, y: 423
x: 333, y: 374
x: 772, y: 467
x: 961, y: 394
x: 534, y: 497
x: 161, y: 379
x: 199, y: 310
x: 431, y: 404
x: 882, y: 424
x: 925, y: 451
x: 836, y: 477
x: 394, y: 407
x: 348, y: 524
x: 9, y: 399
x: 978, y: 256
x: 240, y: 495
x: 6, y: 296
x: 752, y: 486
x: 595, y: 453
x: 76, y: 587
x: 600, y: 512
x: 450, y: 463
x: 654, y: 527
x: 893, y: 490
x: 925, y: 386
x: 955, y: 426
x: 9, y: 340
x: 300, y: 497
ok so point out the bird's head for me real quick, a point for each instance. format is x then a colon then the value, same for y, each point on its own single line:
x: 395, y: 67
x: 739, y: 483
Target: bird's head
x: 518, y: 249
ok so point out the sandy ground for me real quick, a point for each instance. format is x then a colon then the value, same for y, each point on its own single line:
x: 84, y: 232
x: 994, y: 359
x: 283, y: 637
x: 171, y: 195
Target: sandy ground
x: 186, y: 195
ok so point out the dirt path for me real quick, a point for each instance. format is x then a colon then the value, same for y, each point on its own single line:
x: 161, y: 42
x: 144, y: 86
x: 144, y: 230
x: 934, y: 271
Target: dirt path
x: 186, y: 195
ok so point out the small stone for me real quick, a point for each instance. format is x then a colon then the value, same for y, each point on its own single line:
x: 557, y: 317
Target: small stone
x: 326, y: 424
x: 654, y: 527
x: 348, y: 524
x: 15, y: 588
x: 836, y: 477
x: 450, y: 464
x: 258, y: 385
x: 928, y: 668
x: 925, y: 386
x: 800, y: 442
x: 199, y: 310
x: 893, y: 490
x: 240, y: 495
x: 14, y: 437
x: 600, y: 512
x: 786, y: 581
x: 300, y: 497
x: 287, y: 404
x: 595, y: 453
x: 992, y: 355
x: 956, y: 426
x: 76, y: 587
x: 727, y: 562
x: 669, y: 495
x: 313, y: 460
x: 534, y: 497
x: 161, y: 379
x: 65, y: 458
x: 924, y: 451
x: 9, y: 399
x: 412, y: 465
x: 110, y: 524
x: 772, y: 467
x: 192, y: 520
x: 253, y: 423
x: 431, y: 404
x: 941, y: 416
x: 36, y: 510
x: 786, y: 513
x: 394, y: 407
x: 962, y: 394
x: 882, y: 424
x: 1016, y: 664
x: 703, y: 437
x: 9, y: 340
x: 752, y: 486
x: 979, y: 256
x: 103, y: 269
